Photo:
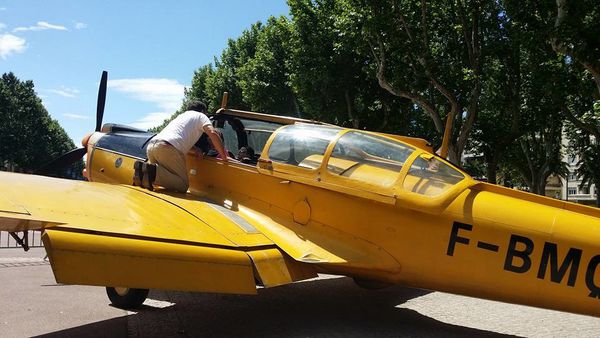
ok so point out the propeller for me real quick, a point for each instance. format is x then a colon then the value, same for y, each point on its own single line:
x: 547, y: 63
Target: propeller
x: 75, y: 155
x: 101, y: 100
x: 61, y: 162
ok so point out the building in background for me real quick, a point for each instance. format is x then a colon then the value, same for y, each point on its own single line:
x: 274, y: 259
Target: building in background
x: 572, y: 190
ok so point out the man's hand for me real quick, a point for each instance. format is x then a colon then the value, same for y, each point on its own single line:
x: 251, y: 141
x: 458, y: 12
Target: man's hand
x: 232, y: 160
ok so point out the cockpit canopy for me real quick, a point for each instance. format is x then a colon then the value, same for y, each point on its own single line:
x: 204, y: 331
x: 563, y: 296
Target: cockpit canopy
x: 359, y: 159
x: 302, y: 145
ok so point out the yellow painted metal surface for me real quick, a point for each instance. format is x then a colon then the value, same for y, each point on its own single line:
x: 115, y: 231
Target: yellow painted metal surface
x: 89, y: 259
x: 275, y: 268
x: 270, y: 202
x: 237, y: 228
x: 15, y: 218
x: 110, y: 167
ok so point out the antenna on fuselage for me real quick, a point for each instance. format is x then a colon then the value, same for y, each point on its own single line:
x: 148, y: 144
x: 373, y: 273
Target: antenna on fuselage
x: 447, y: 136
x: 224, y: 100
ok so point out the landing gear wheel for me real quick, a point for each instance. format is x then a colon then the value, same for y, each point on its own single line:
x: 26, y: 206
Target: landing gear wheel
x: 126, y: 298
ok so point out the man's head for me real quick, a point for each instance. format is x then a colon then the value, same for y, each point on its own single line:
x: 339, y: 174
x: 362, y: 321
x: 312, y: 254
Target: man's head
x: 198, y: 106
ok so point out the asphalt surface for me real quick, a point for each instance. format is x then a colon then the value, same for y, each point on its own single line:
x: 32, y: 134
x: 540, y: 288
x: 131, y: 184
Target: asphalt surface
x: 31, y: 304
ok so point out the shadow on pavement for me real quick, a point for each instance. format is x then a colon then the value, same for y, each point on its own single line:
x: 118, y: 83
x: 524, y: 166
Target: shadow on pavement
x: 320, y: 308
x: 116, y: 327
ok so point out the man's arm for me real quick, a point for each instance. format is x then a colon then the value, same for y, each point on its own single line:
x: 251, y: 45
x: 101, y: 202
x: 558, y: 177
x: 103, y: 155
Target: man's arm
x: 216, y: 140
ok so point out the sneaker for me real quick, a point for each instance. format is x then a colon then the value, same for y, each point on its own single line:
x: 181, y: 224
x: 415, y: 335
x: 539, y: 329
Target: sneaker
x: 149, y: 171
x: 138, y: 173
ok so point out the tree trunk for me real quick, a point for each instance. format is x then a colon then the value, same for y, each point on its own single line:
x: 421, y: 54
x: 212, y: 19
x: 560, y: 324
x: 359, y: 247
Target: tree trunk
x: 351, y: 116
x: 597, y: 186
x: 536, y: 185
x: 297, y: 108
x: 491, y: 169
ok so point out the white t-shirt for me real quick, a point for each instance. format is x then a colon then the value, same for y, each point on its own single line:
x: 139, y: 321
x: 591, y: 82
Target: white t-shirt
x: 184, y: 130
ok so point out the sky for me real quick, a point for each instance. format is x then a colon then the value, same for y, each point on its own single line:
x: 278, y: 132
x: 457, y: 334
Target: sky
x: 149, y: 48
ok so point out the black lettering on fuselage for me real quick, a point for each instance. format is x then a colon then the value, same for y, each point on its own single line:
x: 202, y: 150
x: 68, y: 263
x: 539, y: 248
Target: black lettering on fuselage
x: 522, y: 254
x: 518, y: 258
x: 589, y: 277
x: 455, y: 238
x: 550, y: 255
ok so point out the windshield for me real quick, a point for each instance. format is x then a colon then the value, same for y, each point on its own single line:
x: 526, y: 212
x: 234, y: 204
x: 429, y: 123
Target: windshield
x: 302, y: 145
x: 429, y: 176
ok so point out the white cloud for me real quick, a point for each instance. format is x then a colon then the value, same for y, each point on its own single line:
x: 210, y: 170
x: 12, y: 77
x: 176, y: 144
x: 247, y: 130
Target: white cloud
x: 2, y: 26
x: 165, y: 93
x: 40, y: 26
x: 10, y: 44
x: 2, y: 8
x: 80, y: 25
x: 76, y: 116
x: 64, y: 91
x: 151, y: 120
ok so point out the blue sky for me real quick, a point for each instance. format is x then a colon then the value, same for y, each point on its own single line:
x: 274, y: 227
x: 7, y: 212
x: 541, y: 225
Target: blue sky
x: 149, y: 48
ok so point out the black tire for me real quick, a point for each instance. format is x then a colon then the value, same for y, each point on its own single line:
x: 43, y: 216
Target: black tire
x: 126, y: 298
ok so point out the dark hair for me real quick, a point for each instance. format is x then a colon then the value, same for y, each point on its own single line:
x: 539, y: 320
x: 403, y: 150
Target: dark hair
x: 198, y: 106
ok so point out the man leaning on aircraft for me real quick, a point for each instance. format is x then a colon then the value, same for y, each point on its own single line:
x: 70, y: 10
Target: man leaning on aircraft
x: 166, y: 152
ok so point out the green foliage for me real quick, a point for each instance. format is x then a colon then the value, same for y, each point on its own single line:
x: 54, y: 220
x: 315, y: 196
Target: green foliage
x: 29, y: 138
x: 226, y: 77
x: 264, y: 78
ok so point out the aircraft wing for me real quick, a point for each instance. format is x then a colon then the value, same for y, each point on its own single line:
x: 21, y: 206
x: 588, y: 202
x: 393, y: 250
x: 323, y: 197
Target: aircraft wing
x: 119, y: 235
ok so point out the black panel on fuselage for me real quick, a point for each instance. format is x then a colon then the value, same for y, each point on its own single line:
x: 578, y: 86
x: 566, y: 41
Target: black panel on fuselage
x: 129, y: 143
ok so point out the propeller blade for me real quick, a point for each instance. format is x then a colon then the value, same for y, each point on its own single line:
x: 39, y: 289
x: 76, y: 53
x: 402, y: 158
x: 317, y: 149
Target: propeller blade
x: 101, y: 100
x: 61, y: 162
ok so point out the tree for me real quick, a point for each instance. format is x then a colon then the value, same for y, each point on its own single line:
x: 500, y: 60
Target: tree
x: 572, y: 29
x: 539, y: 155
x: 264, y: 78
x: 198, y: 89
x: 501, y: 115
x: 543, y: 88
x: 576, y: 34
x: 524, y: 83
x: 29, y: 138
x: 587, y: 150
x: 430, y: 53
x: 226, y: 77
x: 330, y: 67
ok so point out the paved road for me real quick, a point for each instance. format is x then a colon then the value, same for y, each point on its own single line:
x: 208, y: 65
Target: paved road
x: 32, y: 304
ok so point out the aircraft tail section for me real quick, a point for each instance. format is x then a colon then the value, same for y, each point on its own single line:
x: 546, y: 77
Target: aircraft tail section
x: 519, y: 248
x: 551, y: 202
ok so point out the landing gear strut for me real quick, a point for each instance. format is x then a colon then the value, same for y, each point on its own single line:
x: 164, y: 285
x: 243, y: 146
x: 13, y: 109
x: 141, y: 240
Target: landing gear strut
x: 23, y: 242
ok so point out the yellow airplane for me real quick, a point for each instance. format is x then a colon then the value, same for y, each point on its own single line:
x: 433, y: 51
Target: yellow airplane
x: 316, y: 198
